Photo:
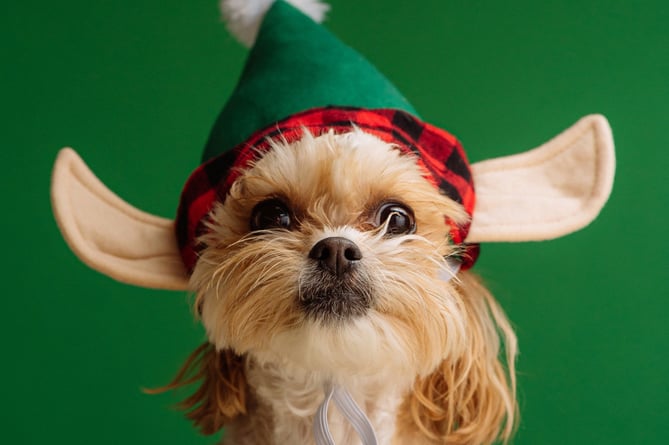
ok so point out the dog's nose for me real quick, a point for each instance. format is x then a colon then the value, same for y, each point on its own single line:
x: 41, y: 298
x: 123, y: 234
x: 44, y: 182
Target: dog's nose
x: 336, y: 254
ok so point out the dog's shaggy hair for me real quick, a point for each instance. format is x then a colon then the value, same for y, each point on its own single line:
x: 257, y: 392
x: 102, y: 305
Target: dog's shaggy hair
x: 420, y: 354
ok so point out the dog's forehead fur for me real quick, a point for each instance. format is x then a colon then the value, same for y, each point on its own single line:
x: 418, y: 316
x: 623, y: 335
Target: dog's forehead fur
x: 337, y: 178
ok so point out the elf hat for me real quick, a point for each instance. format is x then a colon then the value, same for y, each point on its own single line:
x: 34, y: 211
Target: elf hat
x: 299, y: 75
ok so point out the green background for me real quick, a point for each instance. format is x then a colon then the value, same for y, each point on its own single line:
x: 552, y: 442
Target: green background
x: 135, y: 85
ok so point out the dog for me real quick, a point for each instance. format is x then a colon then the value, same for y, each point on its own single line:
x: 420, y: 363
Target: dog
x: 329, y: 250
x: 326, y: 262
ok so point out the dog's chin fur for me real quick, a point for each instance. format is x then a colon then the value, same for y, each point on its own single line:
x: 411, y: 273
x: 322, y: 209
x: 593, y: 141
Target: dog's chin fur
x: 420, y: 356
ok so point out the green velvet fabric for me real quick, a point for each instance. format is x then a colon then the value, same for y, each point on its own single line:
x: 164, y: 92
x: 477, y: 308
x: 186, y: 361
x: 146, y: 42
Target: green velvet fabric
x: 297, y: 64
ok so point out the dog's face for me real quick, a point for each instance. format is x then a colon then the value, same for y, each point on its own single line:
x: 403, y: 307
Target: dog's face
x: 329, y: 253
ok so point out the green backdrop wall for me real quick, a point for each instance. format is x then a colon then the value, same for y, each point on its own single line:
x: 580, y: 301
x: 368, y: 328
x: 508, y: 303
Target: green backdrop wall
x: 135, y: 85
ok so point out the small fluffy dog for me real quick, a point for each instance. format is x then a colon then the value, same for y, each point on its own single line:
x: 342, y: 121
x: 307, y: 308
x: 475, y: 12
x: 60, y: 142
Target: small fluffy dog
x: 326, y: 262
x: 321, y: 248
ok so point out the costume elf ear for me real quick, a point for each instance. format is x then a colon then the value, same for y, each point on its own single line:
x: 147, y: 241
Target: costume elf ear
x: 110, y: 235
x: 541, y: 194
x: 548, y: 192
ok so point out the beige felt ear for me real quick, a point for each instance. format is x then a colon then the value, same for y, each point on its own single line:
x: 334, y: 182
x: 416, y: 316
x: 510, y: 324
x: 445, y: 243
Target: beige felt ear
x: 110, y: 235
x: 548, y: 192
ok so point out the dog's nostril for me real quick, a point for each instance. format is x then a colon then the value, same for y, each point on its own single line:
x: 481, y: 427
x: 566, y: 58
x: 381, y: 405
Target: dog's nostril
x: 336, y: 254
x: 323, y: 254
x: 353, y: 253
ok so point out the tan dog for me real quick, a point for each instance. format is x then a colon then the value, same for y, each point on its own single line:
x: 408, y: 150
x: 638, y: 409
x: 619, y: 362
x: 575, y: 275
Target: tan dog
x: 327, y: 261
x: 326, y: 237
x: 341, y: 279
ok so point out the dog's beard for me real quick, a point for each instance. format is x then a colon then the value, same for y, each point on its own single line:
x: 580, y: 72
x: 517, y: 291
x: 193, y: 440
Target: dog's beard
x: 261, y: 294
x: 330, y: 299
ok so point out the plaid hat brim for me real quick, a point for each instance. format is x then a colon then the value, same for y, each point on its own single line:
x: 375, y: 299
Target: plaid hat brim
x: 438, y: 153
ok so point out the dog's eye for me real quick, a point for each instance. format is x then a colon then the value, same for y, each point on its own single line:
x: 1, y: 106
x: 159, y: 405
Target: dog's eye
x: 270, y: 214
x: 399, y: 218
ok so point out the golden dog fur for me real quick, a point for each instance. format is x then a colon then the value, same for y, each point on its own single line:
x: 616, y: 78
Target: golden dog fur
x: 424, y: 361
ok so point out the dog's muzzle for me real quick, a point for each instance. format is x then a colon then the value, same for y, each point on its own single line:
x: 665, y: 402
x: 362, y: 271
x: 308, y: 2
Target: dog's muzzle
x: 333, y: 287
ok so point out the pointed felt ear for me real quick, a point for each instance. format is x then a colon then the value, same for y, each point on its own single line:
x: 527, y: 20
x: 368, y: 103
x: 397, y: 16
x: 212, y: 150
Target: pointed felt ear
x: 110, y: 235
x: 548, y: 192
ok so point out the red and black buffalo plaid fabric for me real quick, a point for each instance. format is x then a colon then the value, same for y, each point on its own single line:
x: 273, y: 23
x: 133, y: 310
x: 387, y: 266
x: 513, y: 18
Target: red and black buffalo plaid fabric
x: 438, y: 152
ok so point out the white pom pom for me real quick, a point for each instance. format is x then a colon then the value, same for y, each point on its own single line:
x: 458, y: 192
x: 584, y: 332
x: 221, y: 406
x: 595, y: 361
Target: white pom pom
x: 243, y: 17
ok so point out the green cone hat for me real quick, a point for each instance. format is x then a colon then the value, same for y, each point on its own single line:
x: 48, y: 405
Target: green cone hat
x: 299, y: 76
x: 295, y: 65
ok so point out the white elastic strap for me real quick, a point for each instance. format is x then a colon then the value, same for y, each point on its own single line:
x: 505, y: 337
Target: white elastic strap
x: 355, y: 415
x: 321, y: 430
x: 350, y: 410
